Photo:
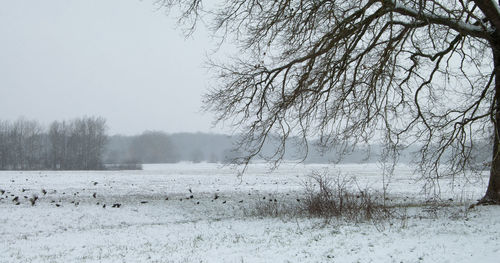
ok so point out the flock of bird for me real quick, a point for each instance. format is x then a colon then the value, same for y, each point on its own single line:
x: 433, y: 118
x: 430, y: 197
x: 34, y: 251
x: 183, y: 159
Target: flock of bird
x: 34, y: 198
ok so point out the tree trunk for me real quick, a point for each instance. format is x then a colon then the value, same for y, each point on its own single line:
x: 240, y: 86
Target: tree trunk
x: 492, y: 195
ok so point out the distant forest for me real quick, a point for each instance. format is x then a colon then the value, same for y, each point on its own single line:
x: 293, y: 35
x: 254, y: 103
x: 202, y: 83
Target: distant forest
x: 82, y: 144
x: 160, y: 147
x: 77, y: 144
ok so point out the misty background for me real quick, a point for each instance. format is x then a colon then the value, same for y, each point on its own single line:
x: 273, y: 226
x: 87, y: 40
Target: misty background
x: 124, y: 60
x: 83, y: 144
x: 129, y: 63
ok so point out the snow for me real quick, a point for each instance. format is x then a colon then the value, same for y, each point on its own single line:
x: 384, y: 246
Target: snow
x: 459, y: 24
x: 172, y: 230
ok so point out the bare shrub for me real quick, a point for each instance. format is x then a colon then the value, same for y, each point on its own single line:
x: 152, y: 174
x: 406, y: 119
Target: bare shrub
x: 328, y: 197
x: 331, y: 196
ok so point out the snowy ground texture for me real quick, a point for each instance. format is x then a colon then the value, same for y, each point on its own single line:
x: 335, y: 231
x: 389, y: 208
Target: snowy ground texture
x: 69, y: 224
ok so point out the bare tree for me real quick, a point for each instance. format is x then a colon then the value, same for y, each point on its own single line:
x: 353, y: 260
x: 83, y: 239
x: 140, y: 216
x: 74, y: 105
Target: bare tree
x: 404, y: 71
x: 85, y: 143
x: 77, y: 144
x: 5, y: 151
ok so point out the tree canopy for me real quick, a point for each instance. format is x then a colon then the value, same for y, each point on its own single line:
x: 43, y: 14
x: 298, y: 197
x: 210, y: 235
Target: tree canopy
x: 347, y: 72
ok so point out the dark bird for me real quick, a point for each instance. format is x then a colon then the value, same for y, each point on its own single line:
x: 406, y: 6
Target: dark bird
x: 144, y: 202
x: 298, y: 200
x: 198, y: 202
x: 264, y: 198
x: 58, y: 205
x: 191, y: 196
x: 216, y: 196
x: 44, y: 192
x: 224, y: 202
x: 17, y: 203
x: 104, y: 206
x: 23, y: 190
x: 166, y: 198
x: 190, y: 190
x: 117, y: 205
x: 95, y: 183
x: 33, y: 200
x: 94, y: 195
x: 241, y: 201
x: 15, y: 199
x: 2, y: 191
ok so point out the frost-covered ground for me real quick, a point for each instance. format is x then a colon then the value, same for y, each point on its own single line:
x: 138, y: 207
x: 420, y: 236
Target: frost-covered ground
x: 158, y: 221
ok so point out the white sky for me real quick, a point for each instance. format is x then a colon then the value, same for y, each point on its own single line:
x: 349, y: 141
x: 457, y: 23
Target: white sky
x: 120, y: 59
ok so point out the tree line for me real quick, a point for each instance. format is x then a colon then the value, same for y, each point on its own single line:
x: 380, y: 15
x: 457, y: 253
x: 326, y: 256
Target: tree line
x: 77, y: 144
x: 160, y: 147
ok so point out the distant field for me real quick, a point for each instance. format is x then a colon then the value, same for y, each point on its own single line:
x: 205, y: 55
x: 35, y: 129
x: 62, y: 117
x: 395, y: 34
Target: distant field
x: 206, y: 213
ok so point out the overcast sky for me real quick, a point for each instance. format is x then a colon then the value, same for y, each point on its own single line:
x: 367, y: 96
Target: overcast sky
x: 120, y: 59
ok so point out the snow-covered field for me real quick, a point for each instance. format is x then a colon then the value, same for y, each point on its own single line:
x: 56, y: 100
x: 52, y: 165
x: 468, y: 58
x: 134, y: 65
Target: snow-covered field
x: 205, y: 213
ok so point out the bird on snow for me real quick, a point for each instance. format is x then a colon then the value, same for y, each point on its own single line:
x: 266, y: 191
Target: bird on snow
x: 33, y: 200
